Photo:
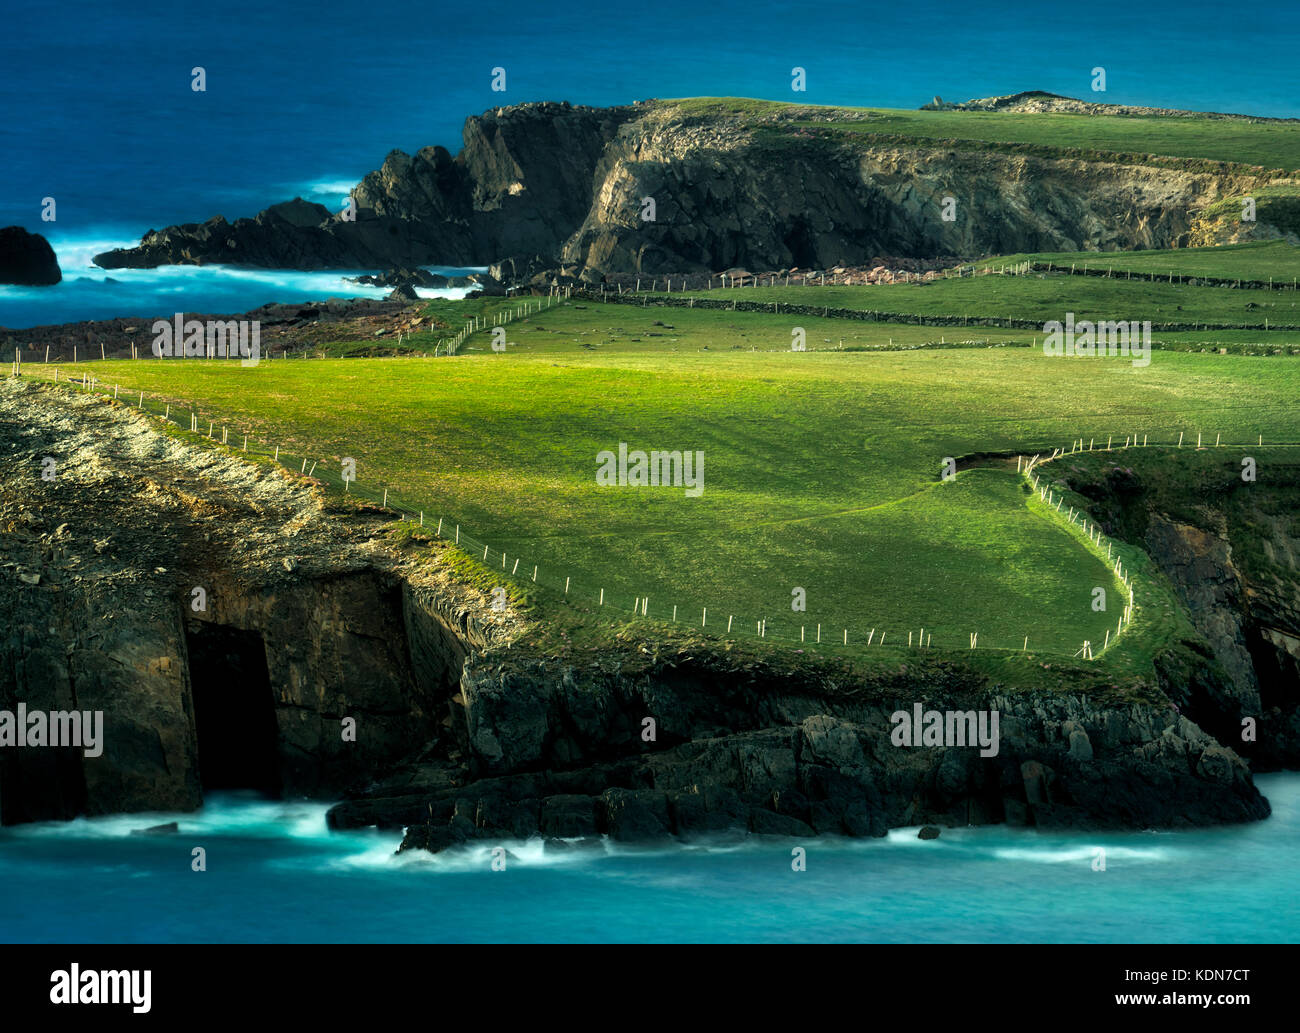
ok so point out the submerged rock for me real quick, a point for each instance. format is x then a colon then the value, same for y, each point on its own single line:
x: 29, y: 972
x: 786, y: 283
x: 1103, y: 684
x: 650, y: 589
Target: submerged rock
x: 168, y: 829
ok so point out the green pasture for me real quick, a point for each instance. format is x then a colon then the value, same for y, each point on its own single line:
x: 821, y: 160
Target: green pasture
x: 1043, y: 297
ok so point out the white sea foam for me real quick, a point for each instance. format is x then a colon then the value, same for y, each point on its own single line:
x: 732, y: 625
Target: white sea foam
x: 327, y: 191
x: 1076, y: 853
x: 248, y: 815
x: 89, y: 292
x: 236, y: 814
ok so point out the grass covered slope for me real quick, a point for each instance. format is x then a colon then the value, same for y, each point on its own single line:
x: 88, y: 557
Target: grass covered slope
x: 821, y: 469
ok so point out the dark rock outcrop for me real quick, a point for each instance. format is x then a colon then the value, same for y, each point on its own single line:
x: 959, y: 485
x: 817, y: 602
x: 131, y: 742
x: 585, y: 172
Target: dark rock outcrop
x: 101, y: 614
x: 552, y: 750
x: 26, y: 259
x: 167, y: 829
x: 520, y: 185
x: 403, y: 278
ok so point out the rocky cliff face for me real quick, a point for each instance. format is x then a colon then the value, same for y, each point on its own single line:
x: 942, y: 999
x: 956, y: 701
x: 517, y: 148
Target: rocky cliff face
x: 560, y: 189
x: 300, y: 624
x: 520, y: 184
x: 1231, y: 549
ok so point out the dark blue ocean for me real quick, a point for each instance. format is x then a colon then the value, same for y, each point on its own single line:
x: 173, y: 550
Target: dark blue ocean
x: 305, y: 98
x: 275, y: 874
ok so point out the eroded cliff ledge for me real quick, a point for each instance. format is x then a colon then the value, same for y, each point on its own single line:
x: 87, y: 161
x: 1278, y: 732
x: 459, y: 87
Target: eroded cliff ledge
x: 301, y: 619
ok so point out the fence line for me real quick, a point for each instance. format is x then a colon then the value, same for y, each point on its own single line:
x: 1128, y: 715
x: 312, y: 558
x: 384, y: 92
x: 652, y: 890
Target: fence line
x: 1182, y: 279
x: 501, y: 318
x: 1095, y: 540
x: 880, y: 316
x: 858, y: 278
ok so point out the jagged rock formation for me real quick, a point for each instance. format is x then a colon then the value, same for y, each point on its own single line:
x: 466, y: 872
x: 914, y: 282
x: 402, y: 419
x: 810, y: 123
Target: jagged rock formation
x: 26, y: 259
x: 521, y: 183
x: 546, y: 189
x: 558, y: 751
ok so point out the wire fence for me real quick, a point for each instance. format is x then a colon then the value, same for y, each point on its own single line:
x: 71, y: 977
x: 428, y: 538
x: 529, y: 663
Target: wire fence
x: 777, y: 307
x: 1079, y: 522
x: 622, y: 284
x: 1182, y: 279
x: 880, y: 275
x: 719, y: 622
x: 502, y: 319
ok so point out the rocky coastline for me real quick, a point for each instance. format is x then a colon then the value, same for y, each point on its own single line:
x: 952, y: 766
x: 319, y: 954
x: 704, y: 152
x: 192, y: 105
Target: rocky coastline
x: 465, y: 732
x: 551, y: 192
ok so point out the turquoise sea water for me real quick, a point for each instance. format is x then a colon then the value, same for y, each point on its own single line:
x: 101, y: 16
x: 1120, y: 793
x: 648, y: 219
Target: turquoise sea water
x: 304, y: 98
x: 275, y: 874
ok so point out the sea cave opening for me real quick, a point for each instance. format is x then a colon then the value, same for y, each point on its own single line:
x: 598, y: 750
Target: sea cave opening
x: 234, y: 709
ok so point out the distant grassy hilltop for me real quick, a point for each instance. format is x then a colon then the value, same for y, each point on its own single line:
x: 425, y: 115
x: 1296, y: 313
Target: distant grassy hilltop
x: 1235, y: 140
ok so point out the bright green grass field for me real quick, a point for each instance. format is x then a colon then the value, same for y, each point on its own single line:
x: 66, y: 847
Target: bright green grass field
x: 605, y: 329
x: 1254, y: 261
x: 821, y: 470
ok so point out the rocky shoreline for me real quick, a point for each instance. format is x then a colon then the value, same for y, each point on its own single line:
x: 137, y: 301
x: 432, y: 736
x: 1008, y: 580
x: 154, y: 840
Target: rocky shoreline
x: 285, y: 328
x: 559, y: 753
